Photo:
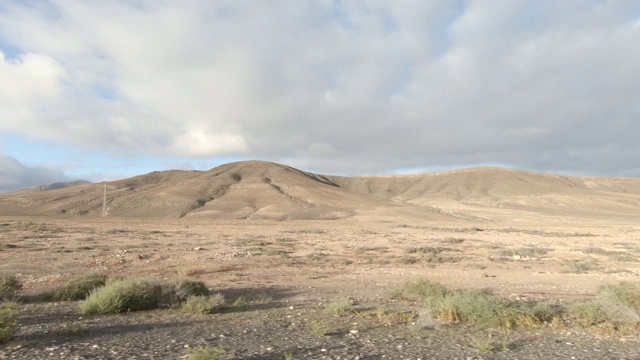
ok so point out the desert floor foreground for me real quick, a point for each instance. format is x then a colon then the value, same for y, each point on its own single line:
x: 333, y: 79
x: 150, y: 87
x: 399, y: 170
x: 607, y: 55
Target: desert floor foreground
x: 302, y: 266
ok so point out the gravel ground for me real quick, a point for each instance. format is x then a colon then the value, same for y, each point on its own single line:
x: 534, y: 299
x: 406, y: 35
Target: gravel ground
x: 269, y: 331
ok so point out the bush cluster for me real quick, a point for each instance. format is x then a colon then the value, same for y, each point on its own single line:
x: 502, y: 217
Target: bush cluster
x: 616, y: 307
x: 478, y: 307
x: 79, y: 288
x: 134, y: 294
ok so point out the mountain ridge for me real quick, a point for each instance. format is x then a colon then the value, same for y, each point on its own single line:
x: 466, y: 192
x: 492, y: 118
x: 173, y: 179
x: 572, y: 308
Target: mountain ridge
x: 259, y: 190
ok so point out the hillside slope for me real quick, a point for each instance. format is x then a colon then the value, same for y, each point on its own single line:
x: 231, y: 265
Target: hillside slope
x: 263, y: 190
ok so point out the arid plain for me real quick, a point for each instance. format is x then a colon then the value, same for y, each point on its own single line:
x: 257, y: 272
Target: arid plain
x: 259, y: 229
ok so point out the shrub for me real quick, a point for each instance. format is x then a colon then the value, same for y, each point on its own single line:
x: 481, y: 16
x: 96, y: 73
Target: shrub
x: 622, y: 293
x: 240, y: 303
x: 617, y: 304
x: 79, y: 288
x: 8, y: 320
x: 9, y: 286
x: 203, y: 304
x: 133, y: 294
x: 205, y: 353
x: 588, y: 313
x: 264, y: 298
x: 422, y: 290
x: 186, y: 288
x: 318, y: 329
x: 75, y: 329
x: 478, y: 307
x: 340, y: 307
x: 394, y: 316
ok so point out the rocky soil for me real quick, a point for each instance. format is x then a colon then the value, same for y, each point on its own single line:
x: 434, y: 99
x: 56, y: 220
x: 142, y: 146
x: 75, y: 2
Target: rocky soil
x: 288, y: 327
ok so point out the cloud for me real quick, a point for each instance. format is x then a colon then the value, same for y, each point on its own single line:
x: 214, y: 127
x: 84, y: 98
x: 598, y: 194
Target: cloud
x: 15, y: 175
x: 357, y: 86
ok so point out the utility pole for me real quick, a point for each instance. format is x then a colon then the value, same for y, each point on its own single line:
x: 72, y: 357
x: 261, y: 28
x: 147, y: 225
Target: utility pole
x: 104, y: 201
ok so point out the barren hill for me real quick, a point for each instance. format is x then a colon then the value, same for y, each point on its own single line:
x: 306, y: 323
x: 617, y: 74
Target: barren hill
x: 264, y: 190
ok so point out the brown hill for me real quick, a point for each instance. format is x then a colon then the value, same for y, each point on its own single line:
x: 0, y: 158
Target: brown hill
x: 479, y: 191
x: 264, y: 190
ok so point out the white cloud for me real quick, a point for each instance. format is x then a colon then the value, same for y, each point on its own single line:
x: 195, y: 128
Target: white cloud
x: 15, y: 175
x: 201, y: 144
x: 538, y: 85
x: 25, y: 82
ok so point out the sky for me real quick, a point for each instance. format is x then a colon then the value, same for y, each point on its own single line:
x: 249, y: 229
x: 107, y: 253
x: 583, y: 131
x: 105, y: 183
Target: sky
x: 103, y: 90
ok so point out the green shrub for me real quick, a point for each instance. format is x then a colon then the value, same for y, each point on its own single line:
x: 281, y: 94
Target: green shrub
x: 8, y: 320
x: 340, y: 307
x: 318, y: 329
x: 9, y: 286
x: 205, y: 353
x: 204, y: 304
x: 622, y: 293
x: 422, y: 290
x: 588, y: 313
x: 79, y: 288
x: 75, y: 329
x: 240, y: 303
x: 616, y: 304
x: 133, y: 294
x: 186, y: 288
x: 478, y: 307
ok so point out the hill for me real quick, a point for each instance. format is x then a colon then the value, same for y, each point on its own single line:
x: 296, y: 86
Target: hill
x: 263, y: 190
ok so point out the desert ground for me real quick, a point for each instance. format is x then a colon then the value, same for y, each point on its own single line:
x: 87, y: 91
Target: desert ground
x: 293, y: 244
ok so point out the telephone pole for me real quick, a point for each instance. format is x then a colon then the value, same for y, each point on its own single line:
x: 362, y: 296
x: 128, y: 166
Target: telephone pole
x: 104, y: 201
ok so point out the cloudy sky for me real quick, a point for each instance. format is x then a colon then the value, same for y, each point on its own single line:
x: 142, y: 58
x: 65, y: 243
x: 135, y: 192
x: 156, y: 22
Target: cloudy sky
x: 100, y: 90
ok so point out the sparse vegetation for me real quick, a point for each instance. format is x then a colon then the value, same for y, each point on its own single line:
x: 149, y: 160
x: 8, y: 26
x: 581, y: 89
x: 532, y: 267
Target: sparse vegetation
x: 615, y: 255
x: 240, y: 303
x: 394, y: 317
x: 617, y: 308
x: 246, y: 256
x: 420, y: 290
x: 318, y: 329
x: 525, y: 252
x: 340, y: 307
x: 583, y: 265
x: 75, y: 329
x: 478, y: 266
x: 133, y: 294
x: 204, y: 353
x: 79, y: 288
x: 204, y: 304
x: 364, y: 249
x: 617, y: 305
x: 478, y: 307
x: 186, y: 271
x: 9, y: 286
x: 452, y: 240
x: 484, y: 345
x: 8, y: 320
x: 264, y: 298
x: 432, y: 254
